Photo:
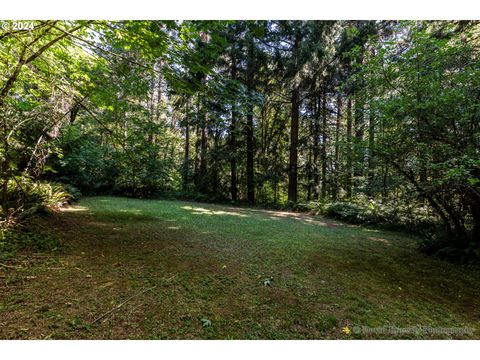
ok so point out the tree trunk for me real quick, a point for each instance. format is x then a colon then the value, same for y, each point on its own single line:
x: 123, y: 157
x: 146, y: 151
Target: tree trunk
x: 309, y: 173
x: 371, y: 145
x: 5, y: 168
x: 337, y: 139
x: 324, y: 144
x: 348, y: 181
x: 359, y: 123
x: 249, y: 129
x: 250, y: 160
x: 203, y: 152
x: 475, y: 211
x: 295, y: 112
x: 316, y: 147
x: 233, y: 161
x: 233, y: 144
x: 186, y: 159
x: 293, y: 165
x: 197, y: 156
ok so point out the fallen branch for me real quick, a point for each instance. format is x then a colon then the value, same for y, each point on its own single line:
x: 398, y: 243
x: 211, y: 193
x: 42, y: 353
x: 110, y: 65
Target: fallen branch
x: 10, y: 266
x: 121, y: 304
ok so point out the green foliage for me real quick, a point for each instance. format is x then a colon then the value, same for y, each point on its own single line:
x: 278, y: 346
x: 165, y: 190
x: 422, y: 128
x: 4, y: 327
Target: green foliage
x: 348, y: 212
x: 97, y: 168
x: 427, y: 101
x: 35, y: 197
x: 408, y: 217
x: 205, y: 110
x: 439, y: 244
x: 206, y: 322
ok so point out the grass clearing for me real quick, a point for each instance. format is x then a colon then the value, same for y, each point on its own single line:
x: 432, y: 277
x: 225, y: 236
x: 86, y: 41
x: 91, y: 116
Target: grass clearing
x: 167, y: 266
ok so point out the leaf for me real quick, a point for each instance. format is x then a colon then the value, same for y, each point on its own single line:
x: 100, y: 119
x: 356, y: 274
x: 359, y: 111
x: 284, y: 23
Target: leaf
x: 473, y: 181
x: 206, y: 322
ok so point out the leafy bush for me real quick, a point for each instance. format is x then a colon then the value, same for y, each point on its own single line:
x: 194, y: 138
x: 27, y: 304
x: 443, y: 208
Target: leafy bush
x: 27, y: 197
x: 349, y: 212
x: 441, y: 245
x: 75, y: 194
x: 97, y: 167
x: 309, y: 206
x: 412, y: 217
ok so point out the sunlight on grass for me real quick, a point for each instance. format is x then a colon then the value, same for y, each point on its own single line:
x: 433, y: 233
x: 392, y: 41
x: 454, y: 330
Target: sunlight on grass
x: 203, y: 211
x: 326, y: 274
x: 314, y: 222
x: 380, y: 240
x: 132, y: 211
x: 76, y: 208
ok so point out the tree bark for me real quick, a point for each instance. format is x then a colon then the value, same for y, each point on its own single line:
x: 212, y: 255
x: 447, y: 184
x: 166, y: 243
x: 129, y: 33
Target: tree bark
x: 337, y: 152
x: 249, y: 128
x: 316, y: 147
x: 348, y: 180
x: 324, y: 144
x: 202, y: 170
x: 233, y: 143
x: 359, y: 123
x: 371, y: 145
x: 250, y: 158
x: 294, y: 117
x: 186, y: 156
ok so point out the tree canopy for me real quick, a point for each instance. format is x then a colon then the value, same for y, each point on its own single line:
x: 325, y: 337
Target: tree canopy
x: 328, y: 115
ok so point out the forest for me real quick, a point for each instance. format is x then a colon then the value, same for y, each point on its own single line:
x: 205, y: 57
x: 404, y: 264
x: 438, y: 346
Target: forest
x: 362, y: 126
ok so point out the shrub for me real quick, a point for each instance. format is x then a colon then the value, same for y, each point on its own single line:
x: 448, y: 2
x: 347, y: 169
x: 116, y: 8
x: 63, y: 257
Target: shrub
x: 349, y: 212
x: 27, y: 197
x: 440, y: 245
x: 411, y: 217
x: 75, y: 194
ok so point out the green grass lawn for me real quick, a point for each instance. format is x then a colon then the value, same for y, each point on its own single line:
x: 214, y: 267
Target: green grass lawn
x: 170, y: 264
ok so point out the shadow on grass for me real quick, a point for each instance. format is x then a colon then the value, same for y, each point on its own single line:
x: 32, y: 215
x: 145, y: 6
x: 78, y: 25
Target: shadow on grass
x: 209, y: 261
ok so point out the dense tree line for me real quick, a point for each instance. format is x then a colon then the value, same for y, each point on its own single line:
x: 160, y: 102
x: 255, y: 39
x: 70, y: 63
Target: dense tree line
x: 277, y: 113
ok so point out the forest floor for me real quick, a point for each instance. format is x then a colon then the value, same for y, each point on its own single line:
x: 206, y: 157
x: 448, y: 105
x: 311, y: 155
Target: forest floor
x: 148, y: 269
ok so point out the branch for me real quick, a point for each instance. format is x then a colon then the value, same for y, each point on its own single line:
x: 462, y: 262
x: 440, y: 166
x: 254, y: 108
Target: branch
x: 23, y: 61
x: 110, y: 52
x: 53, y: 42
x: 121, y: 304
